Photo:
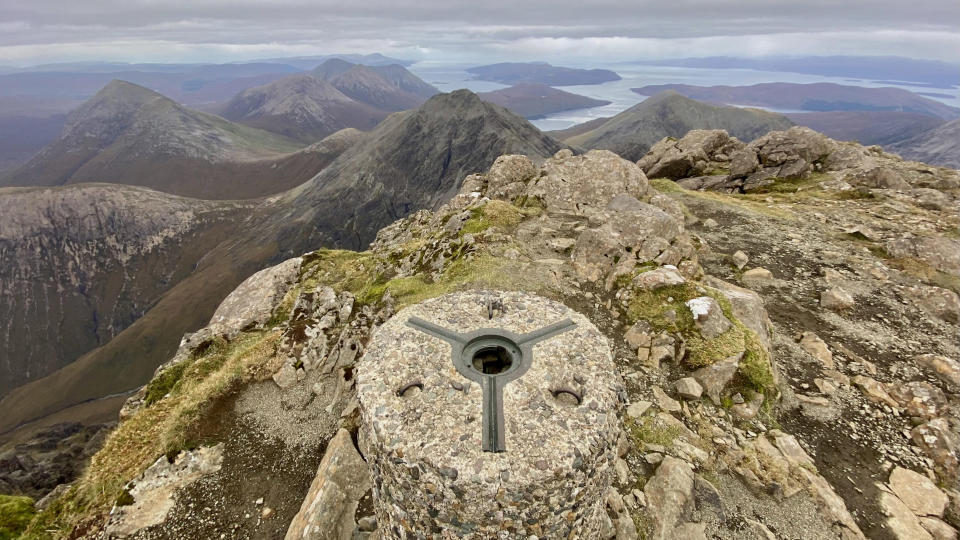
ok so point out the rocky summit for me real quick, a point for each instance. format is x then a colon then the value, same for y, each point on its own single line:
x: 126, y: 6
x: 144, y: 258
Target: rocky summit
x: 781, y: 316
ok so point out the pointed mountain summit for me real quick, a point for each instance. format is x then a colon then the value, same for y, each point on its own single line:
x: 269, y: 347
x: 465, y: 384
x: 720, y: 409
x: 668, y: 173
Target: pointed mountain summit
x: 668, y: 114
x: 127, y: 134
x: 302, y: 108
x: 413, y: 160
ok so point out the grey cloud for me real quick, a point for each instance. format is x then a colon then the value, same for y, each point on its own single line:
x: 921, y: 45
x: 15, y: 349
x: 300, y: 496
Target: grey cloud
x: 217, y: 27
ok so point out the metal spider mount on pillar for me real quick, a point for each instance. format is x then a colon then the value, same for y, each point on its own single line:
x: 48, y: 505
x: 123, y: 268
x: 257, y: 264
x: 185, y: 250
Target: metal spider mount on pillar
x: 492, y: 357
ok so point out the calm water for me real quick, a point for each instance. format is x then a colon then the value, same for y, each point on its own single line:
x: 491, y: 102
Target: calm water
x: 449, y: 77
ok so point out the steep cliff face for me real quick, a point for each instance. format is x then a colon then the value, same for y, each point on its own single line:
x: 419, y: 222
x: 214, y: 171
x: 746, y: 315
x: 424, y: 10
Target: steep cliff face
x: 939, y: 146
x: 80, y: 264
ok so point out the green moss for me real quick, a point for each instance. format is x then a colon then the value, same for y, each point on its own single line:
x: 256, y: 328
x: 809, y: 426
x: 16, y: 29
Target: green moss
x: 15, y: 514
x: 755, y: 366
x: 648, y: 430
x: 162, y: 384
x: 496, y: 213
x: 653, y: 307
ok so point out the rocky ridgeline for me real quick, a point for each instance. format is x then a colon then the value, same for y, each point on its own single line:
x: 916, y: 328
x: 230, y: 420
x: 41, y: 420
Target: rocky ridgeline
x: 812, y: 397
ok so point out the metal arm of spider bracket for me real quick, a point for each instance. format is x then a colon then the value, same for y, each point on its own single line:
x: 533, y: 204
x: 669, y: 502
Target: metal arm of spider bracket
x: 511, y: 354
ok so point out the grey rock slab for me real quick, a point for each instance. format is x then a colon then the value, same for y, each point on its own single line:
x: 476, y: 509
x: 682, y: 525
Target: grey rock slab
x: 252, y: 303
x: 327, y: 512
x: 918, y: 492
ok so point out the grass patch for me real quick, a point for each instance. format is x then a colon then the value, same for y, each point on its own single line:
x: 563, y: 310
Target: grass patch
x: 648, y: 430
x: 791, y: 185
x: 15, y: 514
x: 500, y: 214
x: 665, y: 185
x: 483, y: 270
x: 167, y: 427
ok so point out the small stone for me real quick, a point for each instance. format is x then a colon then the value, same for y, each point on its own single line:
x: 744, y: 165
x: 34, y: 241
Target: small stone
x: 817, y: 348
x: 708, y: 316
x: 266, y: 513
x: 688, y: 388
x: 665, y: 402
x: 637, y: 408
x: 757, y: 276
x: 836, y: 299
x: 258, y: 502
x: 710, y: 223
x: 740, y: 259
x: 367, y: 523
x: 286, y: 376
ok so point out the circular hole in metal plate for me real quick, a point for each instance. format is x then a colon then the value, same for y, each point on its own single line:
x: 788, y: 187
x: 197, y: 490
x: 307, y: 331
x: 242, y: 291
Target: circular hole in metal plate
x: 492, y: 360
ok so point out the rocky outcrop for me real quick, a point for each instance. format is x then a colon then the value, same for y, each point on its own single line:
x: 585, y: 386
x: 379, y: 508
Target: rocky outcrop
x: 151, y: 496
x: 329, y: 507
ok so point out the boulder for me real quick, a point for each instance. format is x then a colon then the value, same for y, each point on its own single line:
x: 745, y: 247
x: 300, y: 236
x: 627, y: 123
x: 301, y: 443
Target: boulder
x: 874, y: 390
x: 941, y: 303
x: 637, y: 408
x: 918, y: 492
x: 665, y: 402
x: 252, y: 303
x: 585, y: 184
x: 940, y: 443
x: 658, y: 279
x: 508, y: 176
x: 920, y: 398
x: 757, y: 277
x: 740, y: 259
x: 882, y: 178
x: 743, y: 163
x: 901, y: 522
x: 940, y: 253
x: 688, y: 156
x: 747, y: 307
x: 328, y: 509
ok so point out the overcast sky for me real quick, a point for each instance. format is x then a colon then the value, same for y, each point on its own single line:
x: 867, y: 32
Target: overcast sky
x: 567, y: 31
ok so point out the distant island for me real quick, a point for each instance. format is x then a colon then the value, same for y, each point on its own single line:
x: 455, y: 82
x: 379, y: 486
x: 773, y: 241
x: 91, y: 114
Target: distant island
x: 818, y: 97
x: 533, y: 100
x: 880, y: 69
x: 541, y: 72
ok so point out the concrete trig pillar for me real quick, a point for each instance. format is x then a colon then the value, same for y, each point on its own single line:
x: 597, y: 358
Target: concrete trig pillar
x: 489, y: 414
